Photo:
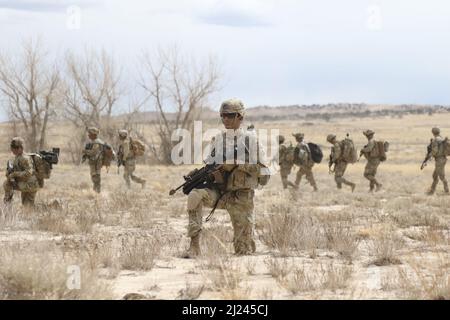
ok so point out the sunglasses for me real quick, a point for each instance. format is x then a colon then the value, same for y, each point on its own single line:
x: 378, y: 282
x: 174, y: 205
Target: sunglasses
x: 229, y: 115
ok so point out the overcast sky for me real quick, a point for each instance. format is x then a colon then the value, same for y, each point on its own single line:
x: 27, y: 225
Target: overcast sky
x: 272, y: 52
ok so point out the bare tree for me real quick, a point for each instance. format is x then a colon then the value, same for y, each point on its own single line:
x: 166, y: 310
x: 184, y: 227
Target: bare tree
x: 92, y: 90
x: 178, y: 88
x: 29, y: 86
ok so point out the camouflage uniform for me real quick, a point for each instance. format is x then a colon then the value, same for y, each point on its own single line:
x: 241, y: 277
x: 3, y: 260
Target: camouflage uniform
x: 305, y: 169
x: 440, y: 157
x: 22, y: 178
x: 237, y: 194
x: 285, y: 163
x: 339, y: 165
x: 370, y: 170
x: 95, y: 157
x: 129, y: 160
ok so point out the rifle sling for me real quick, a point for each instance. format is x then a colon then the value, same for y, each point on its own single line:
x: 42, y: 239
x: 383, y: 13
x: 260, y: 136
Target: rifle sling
x: 220, y: 196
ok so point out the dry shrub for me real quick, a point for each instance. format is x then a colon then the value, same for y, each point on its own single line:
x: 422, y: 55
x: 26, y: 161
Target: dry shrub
x: 299, y: 281
x: 54, y: 221
x: 415, y: 217
x: 341, y: 238
x: 140, y: 253
x: 215, y: 244
x: 278, y: 268
x: 8, y: 216
x: 385, y: 247
x: 286, y: 232
x: 424, y: 283
x: 39, y: 272
x: 335, y: 277
x: 227, y: 277
x: 250, y: 266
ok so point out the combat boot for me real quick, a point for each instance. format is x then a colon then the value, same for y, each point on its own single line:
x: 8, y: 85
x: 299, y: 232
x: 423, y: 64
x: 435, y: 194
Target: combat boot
x: 379, y: 185
x: 194, y: 248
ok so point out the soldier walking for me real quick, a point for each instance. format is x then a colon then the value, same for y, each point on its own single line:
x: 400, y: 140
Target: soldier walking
x: 340, y: 165
x: 438, y: 152
x: 127, y: 158
x: 94, y: 153
x: 373, y: 160
x: 286, y: 161
x: 305, y: 168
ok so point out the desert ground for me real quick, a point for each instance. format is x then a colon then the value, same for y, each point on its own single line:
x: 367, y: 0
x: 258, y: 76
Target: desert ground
x: 332, y: 244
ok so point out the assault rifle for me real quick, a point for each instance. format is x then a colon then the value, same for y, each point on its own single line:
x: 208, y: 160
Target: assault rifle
x: 201, y: 178
x: 9, y: 170
x: 51, y: 157
x: 88, y: 146
x: 427, y: 156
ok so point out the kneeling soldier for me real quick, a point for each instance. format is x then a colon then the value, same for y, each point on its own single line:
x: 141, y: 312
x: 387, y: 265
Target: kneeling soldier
x: 239, y: 179
x: 20, y: 175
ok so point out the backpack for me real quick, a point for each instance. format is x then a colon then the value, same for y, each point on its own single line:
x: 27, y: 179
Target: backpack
x: 447, y: 147
x: 43, y: 162
x: 379, y: 151
x: 137, y: 147
x: 316, y: 152
x: 348, y: 150
x: 108, y: 155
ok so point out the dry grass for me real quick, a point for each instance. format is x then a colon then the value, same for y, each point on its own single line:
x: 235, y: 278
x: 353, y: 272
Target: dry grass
x: 328, y: 244
x: 385, y: 248
x: 22, y: 276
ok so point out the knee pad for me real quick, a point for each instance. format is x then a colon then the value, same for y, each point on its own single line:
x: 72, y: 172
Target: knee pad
x: 194, y: 199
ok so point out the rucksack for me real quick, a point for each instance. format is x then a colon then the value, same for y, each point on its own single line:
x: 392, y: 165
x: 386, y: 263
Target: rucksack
x: 316, y: 152
x: 108, y: 155
x: 348, y: 151
x: 447, y: 147
x: 379, y: 151
x: 43, y: 162
x: 138, y: 147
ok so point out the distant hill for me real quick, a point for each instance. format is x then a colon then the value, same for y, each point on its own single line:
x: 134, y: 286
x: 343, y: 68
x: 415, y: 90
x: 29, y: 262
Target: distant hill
x: 309, y: 112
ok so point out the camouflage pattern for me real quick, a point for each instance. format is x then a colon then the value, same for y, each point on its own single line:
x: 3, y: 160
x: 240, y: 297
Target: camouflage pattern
x: 237, y: 199
x: 438, y: 152
x: 129, y: 160
x: 95, y: 162
x: 232, y: 106
x: 17, y: 142
x: 371, y: 168
x: 305, y: 168
x: 286, y: 165
x: 339, y: 165
x: 25, y: 181
x: 93, y: 130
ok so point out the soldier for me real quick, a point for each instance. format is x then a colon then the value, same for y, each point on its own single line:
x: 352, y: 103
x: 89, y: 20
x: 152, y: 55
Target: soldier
x: 286, y: 162
x: 305, y: 169
x: 370, y: 170
x: 340, y: 165
x: 21, y: 176
x: 94, y: 153
x: 128, y: 159
x: 236, y: 192
x: 439, y: 154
